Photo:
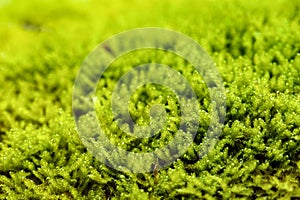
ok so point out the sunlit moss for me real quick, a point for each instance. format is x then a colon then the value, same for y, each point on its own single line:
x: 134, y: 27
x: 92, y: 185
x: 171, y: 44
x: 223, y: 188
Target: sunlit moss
x: 256, y: 46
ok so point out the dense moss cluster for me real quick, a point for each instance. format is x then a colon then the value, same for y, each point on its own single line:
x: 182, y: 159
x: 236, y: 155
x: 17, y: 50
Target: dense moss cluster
x: 256, y: 47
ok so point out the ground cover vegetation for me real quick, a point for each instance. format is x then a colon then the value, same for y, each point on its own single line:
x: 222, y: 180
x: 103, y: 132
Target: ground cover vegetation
x: 256, y: 48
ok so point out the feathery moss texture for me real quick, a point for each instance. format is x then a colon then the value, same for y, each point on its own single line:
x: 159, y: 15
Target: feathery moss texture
x: 256, y: 47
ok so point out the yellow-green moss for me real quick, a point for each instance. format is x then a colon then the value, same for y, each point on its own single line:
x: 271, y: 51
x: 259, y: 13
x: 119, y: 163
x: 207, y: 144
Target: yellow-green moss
x: 256, y: 46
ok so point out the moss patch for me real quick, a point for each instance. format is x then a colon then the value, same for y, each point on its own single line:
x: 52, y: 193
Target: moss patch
x: 256, y: 46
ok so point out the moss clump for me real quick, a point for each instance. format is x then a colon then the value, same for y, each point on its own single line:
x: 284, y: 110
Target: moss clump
x: 256, y: 48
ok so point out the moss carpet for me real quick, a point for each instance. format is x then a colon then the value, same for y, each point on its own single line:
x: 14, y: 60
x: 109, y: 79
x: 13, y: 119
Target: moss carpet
x: 256, y: 48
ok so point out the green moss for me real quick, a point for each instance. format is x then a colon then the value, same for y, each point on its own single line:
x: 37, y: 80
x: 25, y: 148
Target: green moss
x: 256, y: 47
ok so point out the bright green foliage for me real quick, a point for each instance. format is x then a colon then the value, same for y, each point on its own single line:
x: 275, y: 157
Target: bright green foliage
x: 256, y: 47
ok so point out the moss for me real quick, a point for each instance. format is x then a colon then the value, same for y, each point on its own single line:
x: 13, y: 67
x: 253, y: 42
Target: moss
x: 256, y: 48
